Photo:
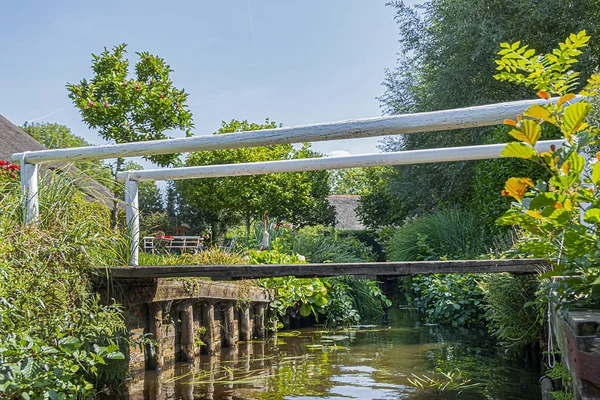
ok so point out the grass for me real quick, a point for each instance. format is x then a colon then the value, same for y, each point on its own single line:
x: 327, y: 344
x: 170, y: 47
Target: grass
x: 447, y: 233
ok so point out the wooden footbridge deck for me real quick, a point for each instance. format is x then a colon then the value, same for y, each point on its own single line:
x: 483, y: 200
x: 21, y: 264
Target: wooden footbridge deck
x: 383, y: 269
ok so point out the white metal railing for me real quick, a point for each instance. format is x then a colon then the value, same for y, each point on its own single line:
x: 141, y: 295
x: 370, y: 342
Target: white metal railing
x: 478, y: 116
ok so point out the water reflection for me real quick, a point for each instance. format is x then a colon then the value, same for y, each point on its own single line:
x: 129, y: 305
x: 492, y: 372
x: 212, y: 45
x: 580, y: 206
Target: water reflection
x: 371, y: 363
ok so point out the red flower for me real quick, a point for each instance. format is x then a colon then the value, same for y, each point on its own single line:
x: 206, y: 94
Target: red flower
x: 13, y: 176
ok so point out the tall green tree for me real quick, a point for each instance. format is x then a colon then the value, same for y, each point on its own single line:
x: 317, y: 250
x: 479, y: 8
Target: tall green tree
x: 446, y: 60
x: 136, y: 107
x: 349, y: 181
x: 300, y: 198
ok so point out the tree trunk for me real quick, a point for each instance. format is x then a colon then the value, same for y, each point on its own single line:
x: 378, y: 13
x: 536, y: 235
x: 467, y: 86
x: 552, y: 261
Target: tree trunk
x: 116, y: 194
x: 248, y: 221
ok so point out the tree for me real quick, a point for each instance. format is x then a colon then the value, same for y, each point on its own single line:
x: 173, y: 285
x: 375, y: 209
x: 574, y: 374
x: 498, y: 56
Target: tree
x: 446, y: 60
x: 134, y: 108
x: 349, y: 181
x: 56, y: 136
x: 377, y: 206
x: 300, y: 198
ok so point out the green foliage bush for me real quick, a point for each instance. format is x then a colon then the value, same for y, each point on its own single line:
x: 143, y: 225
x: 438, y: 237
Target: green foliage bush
x: 447, y: 234
x: 447, y: 299
x: 450, y: 233
x: 369, y: 238
x: 490, y: 176
x: 560, y: 215
x: 512, y: 313
x: 56, y: 340
x: 366, y: 298
x: 321, y: 245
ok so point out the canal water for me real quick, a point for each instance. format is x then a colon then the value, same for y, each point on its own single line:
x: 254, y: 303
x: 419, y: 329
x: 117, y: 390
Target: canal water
x: 364, y: 362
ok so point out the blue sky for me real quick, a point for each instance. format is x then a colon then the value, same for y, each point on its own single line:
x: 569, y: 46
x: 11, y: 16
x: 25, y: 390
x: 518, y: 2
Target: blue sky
x: 294, y: 62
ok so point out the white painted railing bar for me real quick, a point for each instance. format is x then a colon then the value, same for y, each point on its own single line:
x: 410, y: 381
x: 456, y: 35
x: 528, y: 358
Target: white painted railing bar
x: 447, y: 154
x: 132, y: 218
x: 29, y: 190
x: 469, y: 117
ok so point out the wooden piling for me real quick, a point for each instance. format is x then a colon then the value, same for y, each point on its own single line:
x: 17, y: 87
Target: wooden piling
x: 229, y: 337
x: 259, y: 320
x: 155, y: 357
x: 187, y: 333
x: 245, y: 328
x: 208, y: 319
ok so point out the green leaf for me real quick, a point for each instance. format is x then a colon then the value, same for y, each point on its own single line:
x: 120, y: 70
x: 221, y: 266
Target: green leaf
x: 542, y: 200
x: 575, y: 115
x: 596, y: 173
x: 518, y: 150
x: 529, y: 132
x: 115, y: 355
x: 592, y: 215
x: 305, y: 310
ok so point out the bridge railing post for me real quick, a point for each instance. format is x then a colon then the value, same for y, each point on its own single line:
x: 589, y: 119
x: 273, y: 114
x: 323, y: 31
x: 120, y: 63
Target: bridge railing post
x: 132, y: 214
x: 29, y: 190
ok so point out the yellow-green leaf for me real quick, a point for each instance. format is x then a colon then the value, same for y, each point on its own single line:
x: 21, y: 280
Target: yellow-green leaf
x: 529, y: 132
x: 596, y: 173
x: 519, y: 150
x: 517, y: 187
x: 565, y: 98
x: 592, y: 215
x: 539, y: 112
x: 575, y: 115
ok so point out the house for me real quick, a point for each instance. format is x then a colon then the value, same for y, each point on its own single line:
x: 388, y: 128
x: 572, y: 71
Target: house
x: 15, y: 140
x: 345, y: 212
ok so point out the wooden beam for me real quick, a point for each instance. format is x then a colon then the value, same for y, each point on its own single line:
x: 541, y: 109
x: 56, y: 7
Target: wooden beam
x: 231, y: 272
x: 467, y: 153
x: 485, y: 115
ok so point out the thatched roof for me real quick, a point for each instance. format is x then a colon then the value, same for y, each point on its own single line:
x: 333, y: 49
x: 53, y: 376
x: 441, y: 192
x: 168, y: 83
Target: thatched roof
x: 345, y: 212
x: 15, y: 140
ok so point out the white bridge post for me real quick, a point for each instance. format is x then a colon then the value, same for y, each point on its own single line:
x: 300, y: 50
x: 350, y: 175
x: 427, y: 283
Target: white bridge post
x: 29, y: 190
x: 132, y: 215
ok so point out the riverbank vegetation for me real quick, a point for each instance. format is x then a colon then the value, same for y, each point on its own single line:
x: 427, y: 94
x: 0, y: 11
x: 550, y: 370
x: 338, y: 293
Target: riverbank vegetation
x: 57, y: 338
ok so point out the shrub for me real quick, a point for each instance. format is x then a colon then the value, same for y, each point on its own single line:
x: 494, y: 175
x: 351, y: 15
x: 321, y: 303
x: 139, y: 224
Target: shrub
x: 451, y: 233
x: 56, y: 340
x: 353, y: 300
x: 512, y: 313
x: 319, y: 245
x: 367, y: 237
x: 490, y: 176
x: 447, y: 299
x: 455, y: 234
